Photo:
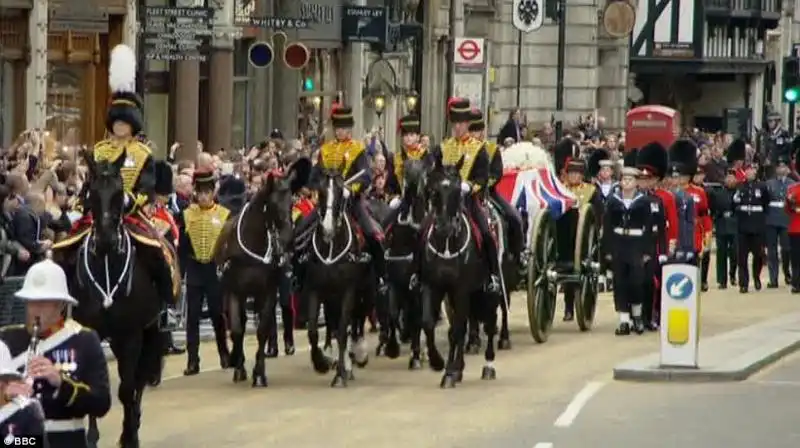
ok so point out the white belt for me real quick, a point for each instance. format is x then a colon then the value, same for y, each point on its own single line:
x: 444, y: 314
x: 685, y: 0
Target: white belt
x: 75, y: 424
x: 777, y: 204
x: 751, y: 208
x: 628, y: 232
x: 727, y: 214
x: 655, y: 228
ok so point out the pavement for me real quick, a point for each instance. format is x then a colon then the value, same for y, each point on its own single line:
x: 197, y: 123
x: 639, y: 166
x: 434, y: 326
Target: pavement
x: 541, y: 393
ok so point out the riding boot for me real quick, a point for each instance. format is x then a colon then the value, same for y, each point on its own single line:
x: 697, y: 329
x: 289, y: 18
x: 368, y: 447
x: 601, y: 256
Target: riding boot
x: 379, y: 264
x: 222, y: 342
x: 494, y: 268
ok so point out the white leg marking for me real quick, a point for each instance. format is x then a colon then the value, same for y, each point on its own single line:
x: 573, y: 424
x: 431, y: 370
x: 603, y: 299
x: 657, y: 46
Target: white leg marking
x: 348, y: 363
x: 361, y: 351
x: 574, y: 408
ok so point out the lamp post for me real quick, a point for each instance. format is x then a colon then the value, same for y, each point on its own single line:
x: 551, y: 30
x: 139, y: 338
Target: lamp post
x: 412, y: 99
x: 317, y: 102
x: 379, y: 103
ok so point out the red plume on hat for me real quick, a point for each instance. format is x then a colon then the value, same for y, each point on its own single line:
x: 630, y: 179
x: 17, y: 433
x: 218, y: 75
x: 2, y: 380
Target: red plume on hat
x: 335, y: 107
x: 452, y: 100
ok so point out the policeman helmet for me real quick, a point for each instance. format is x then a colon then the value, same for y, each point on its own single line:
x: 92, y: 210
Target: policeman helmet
x: 45, y: 282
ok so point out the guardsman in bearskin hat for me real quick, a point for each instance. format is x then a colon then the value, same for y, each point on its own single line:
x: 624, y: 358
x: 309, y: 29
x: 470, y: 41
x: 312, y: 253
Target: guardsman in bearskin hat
x: 571, y: 170
x: 793, y: 209
x: 736, y: 155
x: 702, y: 222
x: 751, y: 202
x: 474, y: 175
x: 627, y: 229
x: 201, y: 225
x: 652, y: 162
x: 477, y: 128
x: 410, y: 129
x: 778, y: 220
x: 683, y: 165
x: 348, y: 154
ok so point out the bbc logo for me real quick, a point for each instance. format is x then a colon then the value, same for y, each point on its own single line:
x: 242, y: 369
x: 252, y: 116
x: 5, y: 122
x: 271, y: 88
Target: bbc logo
x: 33, y: 442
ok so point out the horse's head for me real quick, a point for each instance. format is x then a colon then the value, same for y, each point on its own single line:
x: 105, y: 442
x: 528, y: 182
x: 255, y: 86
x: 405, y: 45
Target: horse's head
x: 446, y: 197
x: 331, y: 201
x: 415, y: 174
x: 106, y: 201
x: 276, y: 196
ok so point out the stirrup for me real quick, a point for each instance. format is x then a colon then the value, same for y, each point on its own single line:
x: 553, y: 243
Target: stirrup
x: 494, y: 284
x: 413, y: 281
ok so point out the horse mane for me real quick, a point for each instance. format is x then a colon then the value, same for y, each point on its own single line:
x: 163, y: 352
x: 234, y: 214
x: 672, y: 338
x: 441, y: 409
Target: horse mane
x: 525, y: 156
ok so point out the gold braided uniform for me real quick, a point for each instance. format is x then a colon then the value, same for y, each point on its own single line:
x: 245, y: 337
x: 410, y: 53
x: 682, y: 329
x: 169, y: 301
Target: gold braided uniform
x: 415, y: 152
x: 137, y: 157
x: 203, y: 228
x: 453, y: 149
x: 349, y: 156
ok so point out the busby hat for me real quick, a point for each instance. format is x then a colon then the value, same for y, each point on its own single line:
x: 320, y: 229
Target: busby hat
x: 476, y: 123
x: 598, y: 159
x: 683, y: 158
x: 410, y: 124
x: 204, y: 180
x: 163, y: 178
x: 565, y: 155
x: 629, y: 159
x: 125, y: 106
x: 458, y: 110
x: 342, y: 117
x: 652, y: 160
x: 737, y: 151
x: 774, y: 115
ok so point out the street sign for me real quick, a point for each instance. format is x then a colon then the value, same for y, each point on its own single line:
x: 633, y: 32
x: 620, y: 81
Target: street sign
x: 468, y: 51
x: 260, y: 54
x: 367, y: 24
x: 81, y: 17
x: 680, y: 318
x: 273, y: 23
x: 177, y: 33
x: 528, y: 15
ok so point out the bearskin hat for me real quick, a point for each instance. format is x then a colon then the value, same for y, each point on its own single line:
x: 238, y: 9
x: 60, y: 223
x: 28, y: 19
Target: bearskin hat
x: 565, y: 156
x: 598, y: 159
x: 163, y: 178
x: 476, y: 123
x: 342, y: 117
x: 683, y: 157
x: 458, y: 110
x: 126, y: 106
x: 652, y: 160
x: 630, y: 159
x: 737, y: 151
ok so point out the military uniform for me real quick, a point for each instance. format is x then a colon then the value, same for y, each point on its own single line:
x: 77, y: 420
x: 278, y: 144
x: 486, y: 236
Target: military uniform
x: 409, y: 125
x: 19, y: 416
x: 751, y: 201
x: 776, y: 139
x: 600, y: 159
x: 200, y: 229
x: 74, y: 350
x: 777, y: 221
x: 792, y: 205
x: 683, y: 163
x: 725, y: 230
x: 475, y: 173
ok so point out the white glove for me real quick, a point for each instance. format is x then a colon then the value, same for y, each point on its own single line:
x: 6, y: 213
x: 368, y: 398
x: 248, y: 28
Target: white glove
x: 127, y: 200
x: 394, y: 203
x: 346, y: 193
x: 465, y: 188
x: 662, y: 259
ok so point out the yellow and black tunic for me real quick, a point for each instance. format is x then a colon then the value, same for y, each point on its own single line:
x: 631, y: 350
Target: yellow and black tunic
x: 395, y: 181
x: 475, y: 167
x: 347, y: 157
x: 200, y: 230
x: 138, y: 168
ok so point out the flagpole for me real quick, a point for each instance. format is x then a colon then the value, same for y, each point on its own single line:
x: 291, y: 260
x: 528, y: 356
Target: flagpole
x: 562, y: 36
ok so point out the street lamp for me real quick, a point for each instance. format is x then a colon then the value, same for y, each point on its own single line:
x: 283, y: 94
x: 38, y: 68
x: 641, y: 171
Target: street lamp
x: 411, y: 101
x: 317, y: 102
x: 379, y: 103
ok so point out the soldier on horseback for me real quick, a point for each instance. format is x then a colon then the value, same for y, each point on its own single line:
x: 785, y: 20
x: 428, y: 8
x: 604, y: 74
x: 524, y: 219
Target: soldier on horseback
x: 477, y: 128
x: 348, y: 157
x: 474, y: 175
x: 410, y: 127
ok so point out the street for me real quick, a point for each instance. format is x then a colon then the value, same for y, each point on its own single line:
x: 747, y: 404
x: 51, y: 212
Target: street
x: 388, y: 406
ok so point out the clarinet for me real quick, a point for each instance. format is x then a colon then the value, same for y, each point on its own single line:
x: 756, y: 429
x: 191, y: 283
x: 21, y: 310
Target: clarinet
x: 33, y: 349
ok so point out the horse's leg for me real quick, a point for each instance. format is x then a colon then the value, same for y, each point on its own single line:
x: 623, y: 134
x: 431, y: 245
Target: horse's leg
x: 413, y: 324
x: 488, y: 312
x: 149, y: 363
x: 287, y: 312
x: 504, y: 343
x: 318, y: 359
x: 93, y: 433
x: 473, y: 338
x: 362, y: 304
x: 344, y: 367
x: 266, y: 327
x: 390, y: 321
x: 237, y: 316
x: 457, y: 335
x: 127, y: 353
x: 430, y: 302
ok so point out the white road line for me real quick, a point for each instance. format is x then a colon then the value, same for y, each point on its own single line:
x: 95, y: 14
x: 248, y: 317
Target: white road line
x: 543, y: 445
x: 576, y: 405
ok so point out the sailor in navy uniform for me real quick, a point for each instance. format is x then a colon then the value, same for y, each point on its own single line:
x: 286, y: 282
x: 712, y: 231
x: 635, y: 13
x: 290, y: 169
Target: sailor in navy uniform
x: 20, y: 415
x: 600, y: 169
x: 68, y: 369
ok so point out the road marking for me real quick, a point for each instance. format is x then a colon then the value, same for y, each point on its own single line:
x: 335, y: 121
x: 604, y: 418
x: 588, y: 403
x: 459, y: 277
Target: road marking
x: 543, y: 445
x: 576, y: 405
x: 776, y: 383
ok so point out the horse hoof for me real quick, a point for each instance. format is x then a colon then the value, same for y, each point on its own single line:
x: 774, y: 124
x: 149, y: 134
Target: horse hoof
x: 321, y: 364
x: 488, y: 373
x: 259, y: 379
x: 473, y: 349
x: 414, y: 364
x: 392, y: 350
x: 272, y: 352
x: 504, y: 344
x: 289, y: 350
x: 351, y: 376
x: 338, y: 381
x: 458, y: 376
x: 128, y: 443
x: 379, y: 350
x: 239, y: 375
x: 436, y: 362
x: 448, y: 381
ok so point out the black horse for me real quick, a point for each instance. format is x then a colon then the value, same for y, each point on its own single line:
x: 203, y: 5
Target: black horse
x: 116, y: 292
x: 254, y: 254
x: 452, y: 265
x: 336, y: 272
x: 403, y: 238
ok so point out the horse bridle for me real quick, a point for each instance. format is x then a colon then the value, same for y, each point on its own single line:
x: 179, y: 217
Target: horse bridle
x: 125, y: 246
x: 271, y: 234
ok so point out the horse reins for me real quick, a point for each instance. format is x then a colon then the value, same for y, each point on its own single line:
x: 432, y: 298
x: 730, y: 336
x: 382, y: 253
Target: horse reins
x: 109, y: 292
x: 267, y: 257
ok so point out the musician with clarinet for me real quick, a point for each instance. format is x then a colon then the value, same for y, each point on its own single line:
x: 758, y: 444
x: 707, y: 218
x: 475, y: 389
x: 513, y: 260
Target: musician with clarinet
x: 62, y: 361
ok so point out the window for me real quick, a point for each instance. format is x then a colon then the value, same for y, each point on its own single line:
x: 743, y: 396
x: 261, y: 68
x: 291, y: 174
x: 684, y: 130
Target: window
x: 240, y: 128
x: 241, y: 64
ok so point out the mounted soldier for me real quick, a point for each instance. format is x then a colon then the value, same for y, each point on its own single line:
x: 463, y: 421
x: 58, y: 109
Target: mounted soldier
x: 410, y: 128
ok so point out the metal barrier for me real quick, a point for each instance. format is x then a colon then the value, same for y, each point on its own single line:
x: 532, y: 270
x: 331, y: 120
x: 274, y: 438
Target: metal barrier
x: 12, y: 309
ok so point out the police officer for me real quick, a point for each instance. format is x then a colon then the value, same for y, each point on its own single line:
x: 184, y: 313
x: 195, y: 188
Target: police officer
x: 751, y: 201
x: 201, y: 225
x: 776, y: 139
x: 68, y: 370
x: 778, y: 222
x: 20, y: 415
x: 725, y: 230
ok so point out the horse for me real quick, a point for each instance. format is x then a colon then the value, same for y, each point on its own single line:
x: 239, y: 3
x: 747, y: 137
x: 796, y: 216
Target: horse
x: 335, y: 272
x: 452, y: 265
x: 403, y: 238
x: 115, y: 290
x: 253, y: 255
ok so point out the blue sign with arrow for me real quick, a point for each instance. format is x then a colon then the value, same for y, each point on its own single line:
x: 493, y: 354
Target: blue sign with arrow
x: 366, y: 24
x: 679, y: 286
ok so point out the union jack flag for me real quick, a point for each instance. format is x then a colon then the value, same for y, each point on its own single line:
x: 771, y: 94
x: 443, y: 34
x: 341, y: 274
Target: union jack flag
x: 532, y: 190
